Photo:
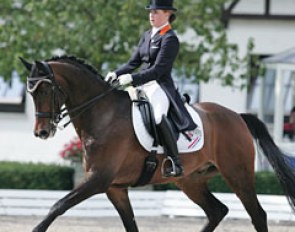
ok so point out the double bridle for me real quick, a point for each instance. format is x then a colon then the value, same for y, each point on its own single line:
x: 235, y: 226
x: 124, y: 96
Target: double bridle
x: 56, y: 116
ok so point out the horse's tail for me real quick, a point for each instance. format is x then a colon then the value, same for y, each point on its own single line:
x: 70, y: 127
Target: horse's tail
x: 279, y: 161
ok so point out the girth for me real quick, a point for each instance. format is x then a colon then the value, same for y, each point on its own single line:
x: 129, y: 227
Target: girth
x: 151, y: 162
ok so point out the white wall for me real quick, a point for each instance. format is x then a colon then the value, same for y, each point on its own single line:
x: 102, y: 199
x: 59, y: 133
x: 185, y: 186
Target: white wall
x: 19, y: 144
x: 232, y: 98
x: 270, y: 36
x: 257, y: 7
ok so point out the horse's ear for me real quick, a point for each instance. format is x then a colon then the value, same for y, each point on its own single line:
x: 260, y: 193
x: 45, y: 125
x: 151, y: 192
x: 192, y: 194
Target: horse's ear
x: 26, y: 64
x: 40, y: 65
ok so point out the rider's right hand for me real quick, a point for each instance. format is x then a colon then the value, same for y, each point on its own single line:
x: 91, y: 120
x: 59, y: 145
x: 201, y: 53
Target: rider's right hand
x: 111, y: 76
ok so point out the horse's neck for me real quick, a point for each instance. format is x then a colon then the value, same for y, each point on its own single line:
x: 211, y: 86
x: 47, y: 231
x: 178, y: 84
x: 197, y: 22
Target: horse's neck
x: 79, y: 85
x: 103, y: 115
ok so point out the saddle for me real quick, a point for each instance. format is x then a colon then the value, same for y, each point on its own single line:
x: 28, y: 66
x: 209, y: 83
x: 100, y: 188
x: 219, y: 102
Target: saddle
x: 147, y: 114
x: 179, y: 117
x: 147, y: 134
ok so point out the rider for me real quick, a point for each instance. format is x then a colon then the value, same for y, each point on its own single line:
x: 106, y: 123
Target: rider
x: 156, y: 52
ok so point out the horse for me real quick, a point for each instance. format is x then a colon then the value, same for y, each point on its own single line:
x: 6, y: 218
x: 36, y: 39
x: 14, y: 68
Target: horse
x: 113, y: 159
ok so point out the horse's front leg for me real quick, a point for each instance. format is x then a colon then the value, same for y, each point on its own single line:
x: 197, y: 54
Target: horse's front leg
x: 92, y: 185
x: 120, y: 199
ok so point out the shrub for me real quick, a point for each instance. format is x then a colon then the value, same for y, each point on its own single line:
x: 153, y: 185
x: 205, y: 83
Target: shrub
x: 268, y: 183
x: 15, y: 175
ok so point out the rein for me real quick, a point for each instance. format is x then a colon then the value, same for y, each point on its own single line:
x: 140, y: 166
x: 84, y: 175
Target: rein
x: 56, y: 117
x: 83, y: 108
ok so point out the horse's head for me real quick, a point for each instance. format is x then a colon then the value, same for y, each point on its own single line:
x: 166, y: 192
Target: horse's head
x: 47, y: 95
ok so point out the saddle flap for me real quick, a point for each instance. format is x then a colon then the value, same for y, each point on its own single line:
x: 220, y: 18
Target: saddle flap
x: 184, y: 145
x: 146, y: 111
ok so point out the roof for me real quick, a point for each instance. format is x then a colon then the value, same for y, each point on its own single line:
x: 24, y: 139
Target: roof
x: 286, y: 57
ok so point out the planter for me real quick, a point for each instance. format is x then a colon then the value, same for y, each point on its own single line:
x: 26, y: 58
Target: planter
x: 79, y: 173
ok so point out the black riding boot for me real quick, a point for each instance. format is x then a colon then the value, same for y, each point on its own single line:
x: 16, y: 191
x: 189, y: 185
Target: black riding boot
x: 168, y: 139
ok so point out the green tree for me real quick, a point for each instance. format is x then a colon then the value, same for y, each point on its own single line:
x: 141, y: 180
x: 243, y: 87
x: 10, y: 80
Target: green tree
x: 105, y: 32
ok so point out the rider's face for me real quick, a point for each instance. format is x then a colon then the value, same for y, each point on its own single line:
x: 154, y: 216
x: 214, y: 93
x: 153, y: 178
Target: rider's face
x: 159, y: 17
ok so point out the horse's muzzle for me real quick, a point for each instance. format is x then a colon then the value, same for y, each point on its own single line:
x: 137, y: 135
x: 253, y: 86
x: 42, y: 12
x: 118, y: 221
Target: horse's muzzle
x: 45, y: 134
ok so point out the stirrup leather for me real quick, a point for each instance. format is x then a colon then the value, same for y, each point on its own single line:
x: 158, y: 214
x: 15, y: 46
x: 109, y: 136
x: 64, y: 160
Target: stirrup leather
x: 168, y: 162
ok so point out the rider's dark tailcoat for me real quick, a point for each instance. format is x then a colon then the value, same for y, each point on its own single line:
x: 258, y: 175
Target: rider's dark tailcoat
x: 156, y: 56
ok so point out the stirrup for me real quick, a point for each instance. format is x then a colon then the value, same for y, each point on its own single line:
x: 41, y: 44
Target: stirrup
x: 168, y: 162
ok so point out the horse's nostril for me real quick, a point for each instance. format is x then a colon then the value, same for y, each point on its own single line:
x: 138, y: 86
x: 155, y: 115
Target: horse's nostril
x: 43, y: 134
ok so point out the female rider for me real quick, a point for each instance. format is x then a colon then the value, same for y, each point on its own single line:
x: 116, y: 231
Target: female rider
x: 156, y: 52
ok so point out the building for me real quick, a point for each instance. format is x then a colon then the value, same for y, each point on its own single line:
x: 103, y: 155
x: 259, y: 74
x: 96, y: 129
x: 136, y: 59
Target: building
x: 270, y: 23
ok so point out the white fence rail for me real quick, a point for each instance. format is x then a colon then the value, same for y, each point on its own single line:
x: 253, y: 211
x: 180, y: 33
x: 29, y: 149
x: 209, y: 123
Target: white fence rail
x: 276, y: 207
x: 145, y: 203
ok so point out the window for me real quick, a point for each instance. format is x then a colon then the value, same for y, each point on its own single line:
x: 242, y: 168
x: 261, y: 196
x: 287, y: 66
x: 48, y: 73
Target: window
x: 253, y: 98
x: 12, y: 94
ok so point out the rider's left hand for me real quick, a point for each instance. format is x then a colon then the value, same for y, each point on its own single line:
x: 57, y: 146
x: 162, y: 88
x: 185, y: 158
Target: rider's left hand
x: 125, y: 79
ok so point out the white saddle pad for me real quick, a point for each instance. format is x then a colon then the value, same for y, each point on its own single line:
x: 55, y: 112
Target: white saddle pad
x: 183, y: 144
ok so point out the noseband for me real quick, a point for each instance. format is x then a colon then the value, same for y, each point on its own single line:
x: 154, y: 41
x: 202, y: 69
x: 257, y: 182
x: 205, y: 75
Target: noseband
x: 34, y: 82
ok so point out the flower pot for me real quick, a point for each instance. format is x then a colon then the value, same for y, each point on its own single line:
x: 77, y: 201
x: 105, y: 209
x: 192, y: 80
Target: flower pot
x: 79, y: 173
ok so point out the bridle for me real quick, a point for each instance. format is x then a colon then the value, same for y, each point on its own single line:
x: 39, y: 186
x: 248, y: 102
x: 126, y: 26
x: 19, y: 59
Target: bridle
x: 32, y: 85
x: 56, y: 116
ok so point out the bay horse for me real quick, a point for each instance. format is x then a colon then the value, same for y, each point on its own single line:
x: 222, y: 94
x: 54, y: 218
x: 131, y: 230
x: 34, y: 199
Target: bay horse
x: 114, y: 159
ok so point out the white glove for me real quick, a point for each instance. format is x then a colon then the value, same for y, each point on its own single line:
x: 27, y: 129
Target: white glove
x: 111, y: 76
x: 125, y: 79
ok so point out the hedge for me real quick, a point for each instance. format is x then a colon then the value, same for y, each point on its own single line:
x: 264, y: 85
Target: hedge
x: 16, y: 175
x: 266, y: 183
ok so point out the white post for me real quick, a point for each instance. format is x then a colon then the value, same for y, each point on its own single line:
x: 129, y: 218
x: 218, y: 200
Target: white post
x: 293, y: 89
x: 261, y: 98
x: 279, y: 106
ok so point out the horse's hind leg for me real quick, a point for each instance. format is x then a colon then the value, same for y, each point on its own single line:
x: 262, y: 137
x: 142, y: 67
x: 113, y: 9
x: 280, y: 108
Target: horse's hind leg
x: 240, y: 176
x: 120, y: 199
x: 254, y: 209
x: 195, y: 187
x: 243, y: 185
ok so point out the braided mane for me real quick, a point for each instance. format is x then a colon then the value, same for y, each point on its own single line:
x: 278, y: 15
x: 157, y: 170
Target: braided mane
x: 75, y: 60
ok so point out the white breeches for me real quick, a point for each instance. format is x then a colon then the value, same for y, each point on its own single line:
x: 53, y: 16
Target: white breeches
x: 157, y: 98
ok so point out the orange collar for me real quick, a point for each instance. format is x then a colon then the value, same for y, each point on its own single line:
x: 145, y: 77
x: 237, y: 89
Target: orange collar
x: 165, y: 29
